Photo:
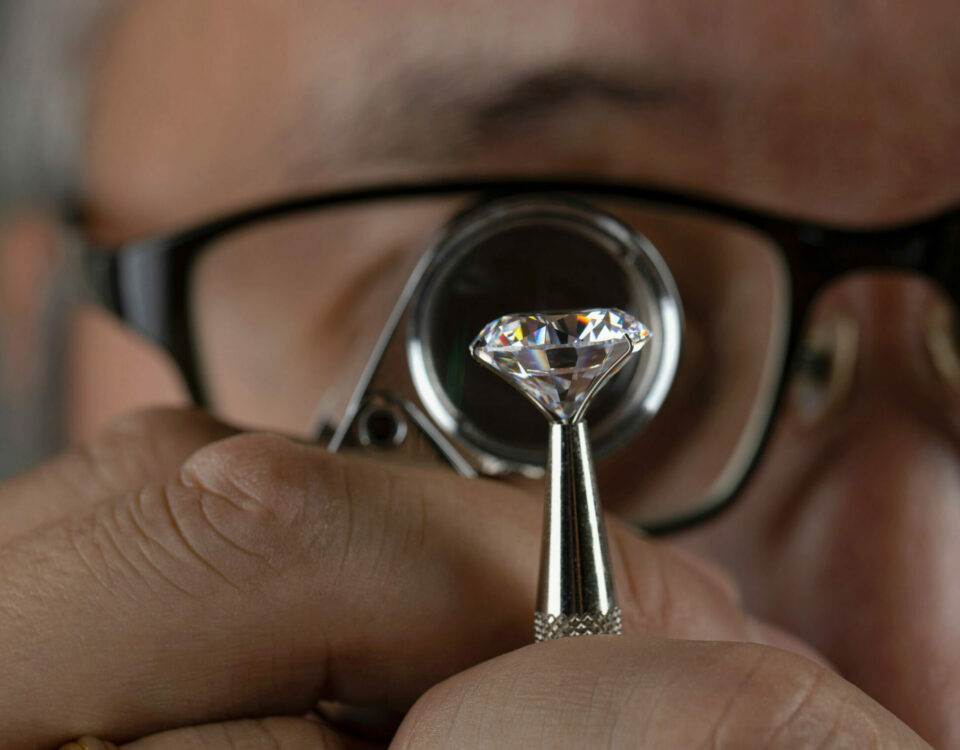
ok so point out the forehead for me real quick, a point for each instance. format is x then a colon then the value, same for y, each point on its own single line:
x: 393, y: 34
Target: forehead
x: 838, y: 110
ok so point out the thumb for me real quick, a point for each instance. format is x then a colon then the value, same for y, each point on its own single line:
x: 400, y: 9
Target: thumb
x: 635, y: 691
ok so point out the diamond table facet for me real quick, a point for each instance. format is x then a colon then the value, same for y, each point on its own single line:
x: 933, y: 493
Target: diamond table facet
x: 559, y: 359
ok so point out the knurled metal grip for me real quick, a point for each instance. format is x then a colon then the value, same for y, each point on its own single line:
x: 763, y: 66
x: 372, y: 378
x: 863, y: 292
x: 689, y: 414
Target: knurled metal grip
x: 576, y: 594
x: 548, y: 627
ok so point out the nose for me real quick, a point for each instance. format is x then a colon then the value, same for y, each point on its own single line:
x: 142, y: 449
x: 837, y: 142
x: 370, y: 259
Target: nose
x: 850, y: 534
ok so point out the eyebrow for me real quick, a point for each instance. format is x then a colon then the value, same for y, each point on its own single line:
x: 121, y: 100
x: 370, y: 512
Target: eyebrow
x: 440, y: 115
x: 547, y: 92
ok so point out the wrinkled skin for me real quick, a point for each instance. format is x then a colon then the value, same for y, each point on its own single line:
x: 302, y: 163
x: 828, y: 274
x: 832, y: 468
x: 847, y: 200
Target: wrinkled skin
x: 258, y: 562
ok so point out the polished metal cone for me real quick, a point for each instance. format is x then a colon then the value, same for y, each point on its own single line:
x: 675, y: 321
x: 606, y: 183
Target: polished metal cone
x: 559, y: 361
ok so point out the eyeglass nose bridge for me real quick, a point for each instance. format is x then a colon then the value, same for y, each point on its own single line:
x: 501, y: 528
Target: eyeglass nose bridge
x: 818, y: 257
x: 836, y: 253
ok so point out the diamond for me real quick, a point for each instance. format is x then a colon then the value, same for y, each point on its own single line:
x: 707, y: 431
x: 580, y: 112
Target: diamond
x: 559, y: 360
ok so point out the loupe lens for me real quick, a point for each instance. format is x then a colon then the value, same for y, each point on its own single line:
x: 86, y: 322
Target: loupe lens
x: 525, y: 255
x: 530, y: 268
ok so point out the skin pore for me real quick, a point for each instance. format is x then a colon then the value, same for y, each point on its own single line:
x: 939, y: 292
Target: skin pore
x: 839, y: 111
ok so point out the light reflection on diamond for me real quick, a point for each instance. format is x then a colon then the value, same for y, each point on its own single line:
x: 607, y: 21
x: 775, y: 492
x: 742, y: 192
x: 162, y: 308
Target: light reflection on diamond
x: 555, y: 358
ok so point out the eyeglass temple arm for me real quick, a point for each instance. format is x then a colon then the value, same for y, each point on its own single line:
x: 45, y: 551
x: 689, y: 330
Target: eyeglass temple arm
x: 146, y: 286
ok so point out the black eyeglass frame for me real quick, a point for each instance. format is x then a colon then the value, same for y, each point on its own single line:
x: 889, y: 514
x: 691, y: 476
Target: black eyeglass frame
x: 146, y: 282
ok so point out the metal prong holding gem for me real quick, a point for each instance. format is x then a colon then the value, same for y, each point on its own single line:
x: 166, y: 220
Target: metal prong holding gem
x: 559, y: 361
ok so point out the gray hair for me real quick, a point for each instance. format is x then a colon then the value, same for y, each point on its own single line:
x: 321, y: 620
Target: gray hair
x: 45, y: 55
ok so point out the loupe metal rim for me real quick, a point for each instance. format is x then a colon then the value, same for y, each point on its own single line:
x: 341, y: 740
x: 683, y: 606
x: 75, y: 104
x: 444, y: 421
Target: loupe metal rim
x: 650, y: 284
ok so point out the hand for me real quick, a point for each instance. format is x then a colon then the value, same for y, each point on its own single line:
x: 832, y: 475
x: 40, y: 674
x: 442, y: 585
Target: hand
x: 171, y: 585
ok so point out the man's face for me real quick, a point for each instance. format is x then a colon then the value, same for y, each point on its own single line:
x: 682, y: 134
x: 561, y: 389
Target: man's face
x: 833, y: 111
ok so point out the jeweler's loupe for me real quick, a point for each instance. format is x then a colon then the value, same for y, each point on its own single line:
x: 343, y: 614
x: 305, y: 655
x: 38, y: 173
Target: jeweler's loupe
x: 421, y: 399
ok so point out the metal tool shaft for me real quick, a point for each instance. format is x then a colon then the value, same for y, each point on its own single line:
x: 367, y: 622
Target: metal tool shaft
x: 576, y: 595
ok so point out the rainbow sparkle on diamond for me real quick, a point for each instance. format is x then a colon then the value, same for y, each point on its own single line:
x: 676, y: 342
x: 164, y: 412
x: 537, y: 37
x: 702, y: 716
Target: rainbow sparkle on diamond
x: 559, y: 359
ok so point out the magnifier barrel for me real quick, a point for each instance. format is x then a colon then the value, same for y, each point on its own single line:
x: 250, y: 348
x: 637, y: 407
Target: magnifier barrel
x: 576, y: 595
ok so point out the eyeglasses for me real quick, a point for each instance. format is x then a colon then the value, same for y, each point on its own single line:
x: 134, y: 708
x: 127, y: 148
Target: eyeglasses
x: 361, y: 304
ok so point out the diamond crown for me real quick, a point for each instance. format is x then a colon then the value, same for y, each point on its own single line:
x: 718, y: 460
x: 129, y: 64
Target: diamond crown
x: 559, y: 360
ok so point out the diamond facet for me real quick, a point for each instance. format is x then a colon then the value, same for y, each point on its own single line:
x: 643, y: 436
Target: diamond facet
x: 559, y: 360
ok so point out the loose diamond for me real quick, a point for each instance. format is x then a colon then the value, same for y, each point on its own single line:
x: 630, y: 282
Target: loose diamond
x: 558, y: 359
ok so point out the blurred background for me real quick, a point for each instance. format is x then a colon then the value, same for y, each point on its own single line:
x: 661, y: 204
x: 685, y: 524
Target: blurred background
x: 44, y: 53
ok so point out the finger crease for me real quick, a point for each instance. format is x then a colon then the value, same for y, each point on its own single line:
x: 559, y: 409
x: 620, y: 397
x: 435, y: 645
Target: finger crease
x: 167, y: 503
x: 146, y: 541
x: 224, y: 537
x: 731, y: 701
x: 73, y: 535
x: 802, y: 701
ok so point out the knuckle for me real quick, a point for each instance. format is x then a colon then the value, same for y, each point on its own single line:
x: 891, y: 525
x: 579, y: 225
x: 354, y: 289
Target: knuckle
x: 237, y: 514
x: 246, y: 509
x: 263, y: 497
x: 265, y: 492
x: 262, y: 475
